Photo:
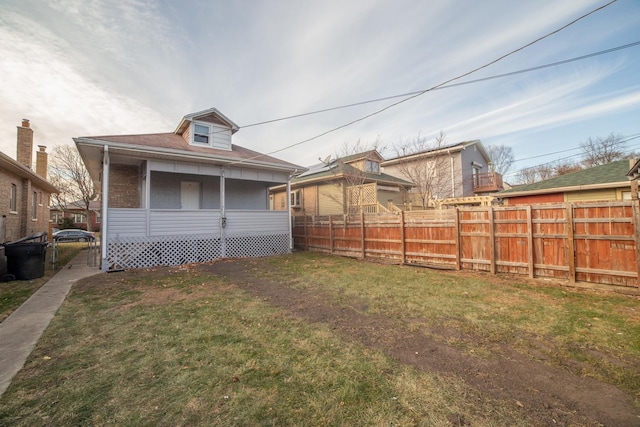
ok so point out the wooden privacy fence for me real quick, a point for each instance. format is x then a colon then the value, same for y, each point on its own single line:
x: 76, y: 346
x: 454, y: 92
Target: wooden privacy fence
x: 595, y: 242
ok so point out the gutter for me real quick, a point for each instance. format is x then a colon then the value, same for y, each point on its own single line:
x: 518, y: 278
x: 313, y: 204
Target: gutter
x: 181, y: 154
x: 603, y: 186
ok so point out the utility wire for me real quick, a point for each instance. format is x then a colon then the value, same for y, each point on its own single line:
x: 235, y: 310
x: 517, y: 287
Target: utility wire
x: 497, y: 76
x: 381, y: 110
x: 628, y: 151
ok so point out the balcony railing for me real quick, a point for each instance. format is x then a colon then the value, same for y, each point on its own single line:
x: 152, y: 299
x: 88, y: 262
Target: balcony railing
x: 487, y: 182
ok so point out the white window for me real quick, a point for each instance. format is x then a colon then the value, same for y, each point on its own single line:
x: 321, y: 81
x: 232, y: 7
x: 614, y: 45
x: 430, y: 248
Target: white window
x: 372, y: 166
x: 13, y: 198
x: 56, y: 217
x: 79, y: 218
x: 34, y: 206
x: 201, y: 134
x: 296, y: 199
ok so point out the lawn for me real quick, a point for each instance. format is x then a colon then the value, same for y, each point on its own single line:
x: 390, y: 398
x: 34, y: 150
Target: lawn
x: 15, y: 292
x: 189, y: 345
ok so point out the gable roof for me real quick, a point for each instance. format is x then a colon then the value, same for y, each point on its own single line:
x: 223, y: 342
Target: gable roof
x: 361, y: 156
x: 18, y: 169
x: 340, y: 168
x: 211, y: 115
x: 610, y: 175
x: 435, y: 151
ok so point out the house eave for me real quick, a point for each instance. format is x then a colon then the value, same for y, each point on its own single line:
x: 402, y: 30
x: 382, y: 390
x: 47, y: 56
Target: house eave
x: 121, y: 148
x: 568, y: 189
x: 10, y: 165
x: 434, y: 153
x: 190, y: 117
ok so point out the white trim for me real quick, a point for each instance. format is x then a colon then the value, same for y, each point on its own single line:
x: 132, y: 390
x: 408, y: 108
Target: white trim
x: 104, y: 229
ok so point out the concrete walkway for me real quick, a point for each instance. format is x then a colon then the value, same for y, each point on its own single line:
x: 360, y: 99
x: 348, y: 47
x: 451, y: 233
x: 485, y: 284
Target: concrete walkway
x: 20, y: 332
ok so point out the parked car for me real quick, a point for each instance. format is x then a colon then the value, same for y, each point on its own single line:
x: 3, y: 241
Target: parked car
x: 72, y: 234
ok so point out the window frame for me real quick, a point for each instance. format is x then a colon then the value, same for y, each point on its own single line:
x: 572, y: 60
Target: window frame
x: 34, y: 206
x: 13, y: 199
x: 295, y: 200
x: 82, y: 216
x: 368, y: 166
x: 200, y: 134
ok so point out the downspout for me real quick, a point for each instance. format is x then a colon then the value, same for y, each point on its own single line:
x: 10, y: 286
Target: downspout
x: 105, y: 208
x: 289, y: 213
x: 223, y: 215
x: 453, y: 178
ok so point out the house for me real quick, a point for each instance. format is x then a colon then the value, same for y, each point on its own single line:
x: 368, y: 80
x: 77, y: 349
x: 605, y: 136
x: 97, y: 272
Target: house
x: 185, y: 196
x: 449, y: 174
x: 77, y: 211
x: 24, y: 194
x: 607, y: 182
x: 346, y: 185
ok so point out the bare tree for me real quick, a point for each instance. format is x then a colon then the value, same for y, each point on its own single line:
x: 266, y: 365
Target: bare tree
x: 565, y: 167
x: 431, y: 173
x: 599, y: 151
x: 68, y: 173
x: 501, y: 158
x: 527, y: 176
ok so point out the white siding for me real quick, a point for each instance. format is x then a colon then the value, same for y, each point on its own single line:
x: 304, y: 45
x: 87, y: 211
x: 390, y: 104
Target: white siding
x: 257, y: 222
x: 172, y: 222
x: 127, y: 222
x: 221, y: 137
x: 198, y: 169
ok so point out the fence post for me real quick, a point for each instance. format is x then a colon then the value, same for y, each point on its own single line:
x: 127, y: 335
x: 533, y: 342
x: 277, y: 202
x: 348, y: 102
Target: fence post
x: 636, y: 226
x: 402, y: 248
x: 331, y: 234
x: 306, y: 233
x: 457, y: 236
x: 530, y: 242
x: 492, y: 240
x: 571, y: 256
x: 362, y: 233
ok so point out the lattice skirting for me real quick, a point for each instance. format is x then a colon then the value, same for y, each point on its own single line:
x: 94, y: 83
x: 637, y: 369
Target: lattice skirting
x: 143, y: 252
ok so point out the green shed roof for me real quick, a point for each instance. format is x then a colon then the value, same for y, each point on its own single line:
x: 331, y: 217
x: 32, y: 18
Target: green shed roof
x: 611, y: 173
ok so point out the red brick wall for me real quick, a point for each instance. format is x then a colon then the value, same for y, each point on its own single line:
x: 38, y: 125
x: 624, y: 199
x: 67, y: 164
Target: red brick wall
x: 20, y: 222
x: 124, y: 186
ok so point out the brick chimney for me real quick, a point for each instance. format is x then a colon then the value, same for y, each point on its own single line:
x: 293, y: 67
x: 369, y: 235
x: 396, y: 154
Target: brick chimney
x: 25, y: 144
x: 42, y: 161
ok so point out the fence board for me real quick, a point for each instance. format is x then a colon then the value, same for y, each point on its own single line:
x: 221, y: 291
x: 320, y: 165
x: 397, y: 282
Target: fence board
x: 593, y: 242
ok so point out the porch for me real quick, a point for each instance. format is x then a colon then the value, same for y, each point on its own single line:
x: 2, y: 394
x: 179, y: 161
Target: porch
x: 141, y: 238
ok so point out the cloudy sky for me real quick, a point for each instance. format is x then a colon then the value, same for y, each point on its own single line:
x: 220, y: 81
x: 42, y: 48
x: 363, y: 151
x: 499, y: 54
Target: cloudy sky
x: 103, y: 67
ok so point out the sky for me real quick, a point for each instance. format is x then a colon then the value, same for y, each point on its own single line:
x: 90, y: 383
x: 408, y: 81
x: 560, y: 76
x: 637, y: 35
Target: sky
x: 113, y: 67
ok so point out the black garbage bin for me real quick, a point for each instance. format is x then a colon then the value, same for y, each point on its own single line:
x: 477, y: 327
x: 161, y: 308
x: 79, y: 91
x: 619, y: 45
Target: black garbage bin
x: 26, y: 257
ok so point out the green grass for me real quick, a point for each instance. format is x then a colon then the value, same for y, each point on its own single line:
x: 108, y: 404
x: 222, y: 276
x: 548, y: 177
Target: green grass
x: 181, y: 347
x: 14, y: 293
x: 561, y: 325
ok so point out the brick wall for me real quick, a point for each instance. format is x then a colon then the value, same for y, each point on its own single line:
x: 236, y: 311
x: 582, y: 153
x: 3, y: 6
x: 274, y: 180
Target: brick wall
x: 124, y: 187
x: 25, y: 144
x: 20, y: 223
x: 13, y: 219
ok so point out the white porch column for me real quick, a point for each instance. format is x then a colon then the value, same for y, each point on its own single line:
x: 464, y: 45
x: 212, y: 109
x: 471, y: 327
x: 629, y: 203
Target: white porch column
x: 104, y: 230
x: 223, y: 215
x: 289, y: 213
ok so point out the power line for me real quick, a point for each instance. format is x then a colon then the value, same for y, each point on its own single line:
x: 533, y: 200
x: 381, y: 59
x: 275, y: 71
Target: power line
x: 497, y: 76
x: 381, y: 110
x: 624, y: 140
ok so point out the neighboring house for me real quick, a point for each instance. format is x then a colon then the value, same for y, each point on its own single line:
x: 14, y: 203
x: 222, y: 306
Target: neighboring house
x: 600, y: 183
x: 185, y: 196
x: 78, y: 213
x: 24, y: 194
x: 347, y: 185
x: 454, y: 173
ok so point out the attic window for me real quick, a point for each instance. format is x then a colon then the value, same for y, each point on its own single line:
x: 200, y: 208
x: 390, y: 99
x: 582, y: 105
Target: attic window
x: 201, y: 134
x: 372, y: 166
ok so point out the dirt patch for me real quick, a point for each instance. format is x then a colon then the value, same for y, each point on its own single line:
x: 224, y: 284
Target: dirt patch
x: 545, y: 394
